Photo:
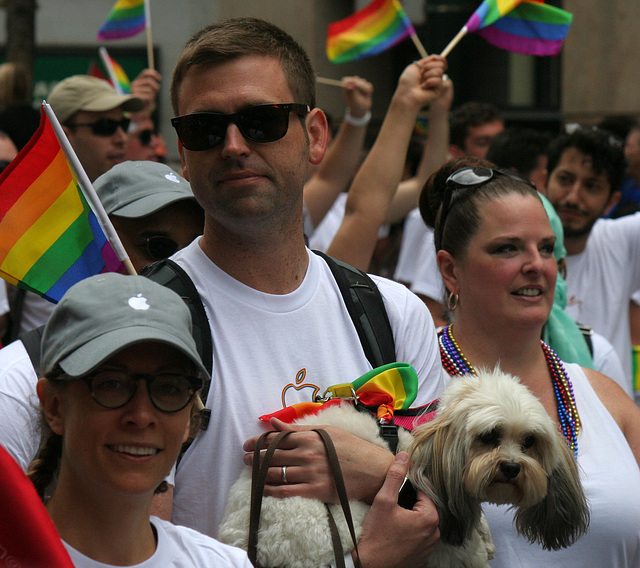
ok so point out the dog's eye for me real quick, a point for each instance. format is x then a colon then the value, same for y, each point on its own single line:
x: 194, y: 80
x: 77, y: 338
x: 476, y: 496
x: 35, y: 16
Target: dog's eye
x: 491, y: 438
x: 529, y: 442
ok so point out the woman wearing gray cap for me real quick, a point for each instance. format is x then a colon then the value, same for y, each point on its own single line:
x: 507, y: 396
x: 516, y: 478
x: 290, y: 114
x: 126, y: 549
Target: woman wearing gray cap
x: 121, y: 377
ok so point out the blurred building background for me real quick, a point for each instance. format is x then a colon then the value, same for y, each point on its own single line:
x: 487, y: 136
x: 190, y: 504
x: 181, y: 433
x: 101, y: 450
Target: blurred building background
x: 597, y: 73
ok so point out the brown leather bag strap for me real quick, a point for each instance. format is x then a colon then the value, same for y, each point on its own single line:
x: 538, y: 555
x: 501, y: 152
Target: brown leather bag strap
x: 258, y: 479
x: 341, y: 489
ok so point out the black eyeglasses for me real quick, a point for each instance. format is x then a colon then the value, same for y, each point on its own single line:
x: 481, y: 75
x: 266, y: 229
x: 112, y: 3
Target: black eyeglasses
x: 263, y: 123
x: 168, y: 392
x: 468, y: 178
x: 104, y: 126
x: 160, y: 247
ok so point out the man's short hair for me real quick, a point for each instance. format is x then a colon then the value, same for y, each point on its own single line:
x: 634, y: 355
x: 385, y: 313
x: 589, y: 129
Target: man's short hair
x: 239, y: 37
x: 468, y: 115
x: 603, y: 148
x: 518, y: 149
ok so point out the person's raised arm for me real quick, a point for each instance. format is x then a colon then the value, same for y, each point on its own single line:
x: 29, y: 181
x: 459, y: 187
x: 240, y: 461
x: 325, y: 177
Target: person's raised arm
x: 146, y: 86
x: 377, y: 179
x: 435, y: 153
x: 343, y: 157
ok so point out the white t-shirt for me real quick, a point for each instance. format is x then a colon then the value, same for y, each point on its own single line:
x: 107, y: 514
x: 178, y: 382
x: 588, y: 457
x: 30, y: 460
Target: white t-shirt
x: 270, y: 351
x: 602, y: 279
x: 611, y: 481
x: 324, y: 233
x: 178, y: 547
x: 35, y: 310
x: 416, y: 239
x: 606, y: 360
x: 19, y: 404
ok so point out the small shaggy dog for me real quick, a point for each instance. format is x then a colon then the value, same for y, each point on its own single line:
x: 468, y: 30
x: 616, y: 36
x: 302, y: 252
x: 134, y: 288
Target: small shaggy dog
x: 491, y: 441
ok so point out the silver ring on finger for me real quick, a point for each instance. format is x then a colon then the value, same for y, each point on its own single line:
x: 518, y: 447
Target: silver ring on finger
x: 283, y: 474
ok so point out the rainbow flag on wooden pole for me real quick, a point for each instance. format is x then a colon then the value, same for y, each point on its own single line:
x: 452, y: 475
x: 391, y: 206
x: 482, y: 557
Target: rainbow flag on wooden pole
x: 54, y: 231
x: 117, y: 75
x: 377, y: 27
x: 128, y: 18
x: 530, y: 27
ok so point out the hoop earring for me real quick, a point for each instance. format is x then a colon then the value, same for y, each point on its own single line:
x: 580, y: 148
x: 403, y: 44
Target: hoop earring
x: 452, y: 302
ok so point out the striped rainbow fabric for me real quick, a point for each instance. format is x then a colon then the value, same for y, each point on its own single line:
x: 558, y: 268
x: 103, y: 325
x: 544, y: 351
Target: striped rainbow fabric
x: 377, y: 27
x: 530, y: 28
x: 388, y: 388
x: 49, y: 236
x: 117, y: 75
x: 488, y: 12
x: 126, y: 19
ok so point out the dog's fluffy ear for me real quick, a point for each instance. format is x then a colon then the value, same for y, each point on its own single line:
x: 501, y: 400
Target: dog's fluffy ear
x: 563, y: 515
x: 438, y: 458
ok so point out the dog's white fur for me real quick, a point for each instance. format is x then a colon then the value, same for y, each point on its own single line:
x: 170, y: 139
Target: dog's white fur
x: 483, y: 422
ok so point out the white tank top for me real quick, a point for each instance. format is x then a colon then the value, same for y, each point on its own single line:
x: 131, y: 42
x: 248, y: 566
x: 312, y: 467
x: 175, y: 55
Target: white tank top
x: 611, y: 480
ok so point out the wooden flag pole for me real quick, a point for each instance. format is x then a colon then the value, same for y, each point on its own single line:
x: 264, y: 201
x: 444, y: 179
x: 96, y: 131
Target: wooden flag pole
x: 454, y: 41
x: 147, y: 15
x: 325, y: 81
x: 416, y: 41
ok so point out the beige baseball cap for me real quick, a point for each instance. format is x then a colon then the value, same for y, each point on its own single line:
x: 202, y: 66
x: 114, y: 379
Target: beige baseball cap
x: 83, y: 92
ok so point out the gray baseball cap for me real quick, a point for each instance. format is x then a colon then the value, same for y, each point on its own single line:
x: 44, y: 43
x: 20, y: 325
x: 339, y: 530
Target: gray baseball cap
x: 83, y: 92
x: 104, y: 314
x: 138, y: 189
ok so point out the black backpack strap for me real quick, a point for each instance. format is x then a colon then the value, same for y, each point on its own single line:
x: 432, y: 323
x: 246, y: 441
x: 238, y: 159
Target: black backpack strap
x: 15, y: 316
x: 366, y: 308
x: 31, y: 341
x: 171, y: 275
x: 587, y: 333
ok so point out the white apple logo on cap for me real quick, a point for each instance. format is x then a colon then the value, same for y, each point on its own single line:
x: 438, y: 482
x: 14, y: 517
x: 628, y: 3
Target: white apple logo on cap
x: 138, y: 302
x: 172, y: 177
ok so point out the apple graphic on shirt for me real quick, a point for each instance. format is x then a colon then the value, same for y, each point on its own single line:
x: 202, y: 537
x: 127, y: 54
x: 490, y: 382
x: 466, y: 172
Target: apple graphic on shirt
x: 172, y: 177
x: 298, y: 386
x: 138, y: 302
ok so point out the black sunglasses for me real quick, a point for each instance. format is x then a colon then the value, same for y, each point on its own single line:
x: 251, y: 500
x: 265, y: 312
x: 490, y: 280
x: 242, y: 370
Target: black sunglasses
x: 169, y: 392
x: 263, y: 123
x: 104, y: 126
x: 145, y: 136
x: 468, y: 178
x: 160, y: 247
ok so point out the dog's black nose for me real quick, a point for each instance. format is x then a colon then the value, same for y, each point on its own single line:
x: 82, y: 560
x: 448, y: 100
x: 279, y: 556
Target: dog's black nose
x: 510, y: 469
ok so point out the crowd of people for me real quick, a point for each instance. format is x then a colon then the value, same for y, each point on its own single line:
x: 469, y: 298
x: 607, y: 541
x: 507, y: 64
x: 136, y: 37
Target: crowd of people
x: 510, y: 256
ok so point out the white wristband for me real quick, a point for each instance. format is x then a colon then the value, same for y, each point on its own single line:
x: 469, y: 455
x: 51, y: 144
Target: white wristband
x: 357, y: 121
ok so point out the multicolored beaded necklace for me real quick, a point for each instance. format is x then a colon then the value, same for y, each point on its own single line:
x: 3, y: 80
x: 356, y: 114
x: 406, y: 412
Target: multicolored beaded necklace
x: 455, y: 363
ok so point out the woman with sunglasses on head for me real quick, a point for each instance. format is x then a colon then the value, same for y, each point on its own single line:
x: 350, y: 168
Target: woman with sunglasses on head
x: 495, y: 249
x: 121, y: 375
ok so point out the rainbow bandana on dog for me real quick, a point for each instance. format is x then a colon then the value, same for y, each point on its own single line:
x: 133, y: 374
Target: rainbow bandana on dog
x: 388, y: 391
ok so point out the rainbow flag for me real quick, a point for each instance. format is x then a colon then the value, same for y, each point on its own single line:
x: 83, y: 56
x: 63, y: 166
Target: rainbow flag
x: 49, y: 236
x: 531, y: 28
x: 118, y: 77
x: 126, y: 19
x: 377, y: 27
x: 387, y: 388
x: 488, y: 12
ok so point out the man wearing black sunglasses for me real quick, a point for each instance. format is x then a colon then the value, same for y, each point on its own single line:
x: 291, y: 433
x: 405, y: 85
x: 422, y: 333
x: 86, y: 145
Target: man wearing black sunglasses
x: 152, y: 208
x: 92, y: 115
x: 243, y: 92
